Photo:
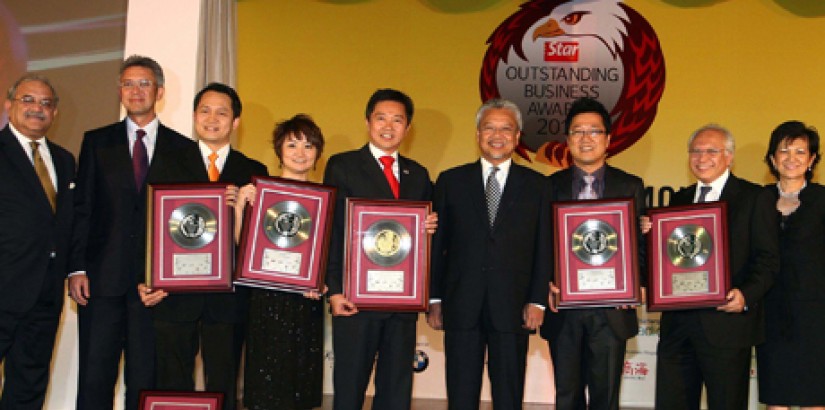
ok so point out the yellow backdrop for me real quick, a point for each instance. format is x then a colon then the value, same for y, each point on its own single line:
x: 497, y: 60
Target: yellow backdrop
x: 746, y: 64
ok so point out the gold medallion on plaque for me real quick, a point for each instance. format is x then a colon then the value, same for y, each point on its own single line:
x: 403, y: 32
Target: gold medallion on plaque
x: 594, y: 242
x: 386, y: 242
x: 192, y: 226
x: 689, y: 246
x: 287, y: 224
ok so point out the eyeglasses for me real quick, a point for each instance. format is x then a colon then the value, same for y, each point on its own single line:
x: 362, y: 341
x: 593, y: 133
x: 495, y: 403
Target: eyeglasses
x: 142, y: 84
x: 490, y: 130
x: 590, y: 133
x: 44, y: 103
x: 712, y: 152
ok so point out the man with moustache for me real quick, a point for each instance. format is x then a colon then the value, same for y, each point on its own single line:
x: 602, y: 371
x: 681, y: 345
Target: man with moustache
x: 207, y: 322
x: 36, y: 210
x: 375, y: 171
x: 490, y: 263
x: 587, y: 345
x: 713, y: 346
x: 116, y: 163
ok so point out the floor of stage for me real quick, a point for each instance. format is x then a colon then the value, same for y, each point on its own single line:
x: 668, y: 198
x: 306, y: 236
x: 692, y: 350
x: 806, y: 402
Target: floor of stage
x: 431, y: 404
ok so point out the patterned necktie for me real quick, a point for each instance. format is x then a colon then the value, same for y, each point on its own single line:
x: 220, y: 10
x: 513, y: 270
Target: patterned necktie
x: 588, y: 192
x: 43, y: 174
x: 703, y: 194
x: 493, y: 193
x: 387, y: 161
x: 140, y: 159
x: 213, y: 172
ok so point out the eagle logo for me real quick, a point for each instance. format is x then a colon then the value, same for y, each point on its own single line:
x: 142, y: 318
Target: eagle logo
x: 543, y: 61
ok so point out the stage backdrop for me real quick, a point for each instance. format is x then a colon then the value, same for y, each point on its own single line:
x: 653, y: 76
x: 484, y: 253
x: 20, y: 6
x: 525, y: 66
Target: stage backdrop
x: 744, y: 64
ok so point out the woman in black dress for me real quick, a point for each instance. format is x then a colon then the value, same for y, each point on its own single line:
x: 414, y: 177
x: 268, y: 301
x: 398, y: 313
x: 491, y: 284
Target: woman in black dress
x: 791, y: 362
x: 285, y: 338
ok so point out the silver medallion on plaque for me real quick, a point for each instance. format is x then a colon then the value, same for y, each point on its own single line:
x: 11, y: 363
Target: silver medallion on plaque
x: 689, y: 246
x: 287, y: 224
x: 594, y: 242
x: 386, y: 242
x: 192, y: 226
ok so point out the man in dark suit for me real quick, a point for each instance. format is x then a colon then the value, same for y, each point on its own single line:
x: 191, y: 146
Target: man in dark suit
x: 588, y: 344
x: 116, y: 163
x: 490, y: 263
x: 209, y: 322
x: 713, y: 346
x: 36, y: 210
x: 358, y: 336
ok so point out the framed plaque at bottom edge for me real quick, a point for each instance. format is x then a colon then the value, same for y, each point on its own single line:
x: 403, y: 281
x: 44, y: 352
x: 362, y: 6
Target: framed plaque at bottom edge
x: 180, y: 400
x: 688, y: 256
x: 596, y: 255
x: 387, y: 251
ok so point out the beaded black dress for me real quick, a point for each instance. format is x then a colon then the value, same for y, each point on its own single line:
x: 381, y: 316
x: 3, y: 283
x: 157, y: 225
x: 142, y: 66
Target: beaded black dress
x: 284, y: 352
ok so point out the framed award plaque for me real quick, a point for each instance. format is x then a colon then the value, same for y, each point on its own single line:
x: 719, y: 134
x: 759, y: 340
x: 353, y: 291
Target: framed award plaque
x: 285, y: 236
x: 688, y: 257
x: 596, y: 253
x: 387, y: 252
x: 180, y: 400
x: 189, y: 238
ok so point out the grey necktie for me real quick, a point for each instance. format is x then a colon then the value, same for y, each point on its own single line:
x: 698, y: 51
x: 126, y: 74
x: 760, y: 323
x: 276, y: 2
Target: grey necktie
x: 493, y: 193
x: 703, y: 193
x: 588, y: 192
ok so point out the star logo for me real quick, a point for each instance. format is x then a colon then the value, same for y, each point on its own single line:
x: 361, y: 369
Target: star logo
x: 552, y: 52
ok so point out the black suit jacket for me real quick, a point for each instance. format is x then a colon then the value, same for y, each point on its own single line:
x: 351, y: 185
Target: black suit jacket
x: 753, y: 246
x: 221, y: 307
x: 500, y: 269
x: 110, y: 211
x: 32, y: 237
x: 617, y: 184
x: 356, y: 174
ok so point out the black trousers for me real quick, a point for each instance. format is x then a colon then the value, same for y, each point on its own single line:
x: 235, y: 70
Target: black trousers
x: 685, y: 360
x: 506, y: 363
x: 356, y: 341
x: 587, y: 355
x: 26, y: 346
x: 177, y: 345
x: 109, y: 327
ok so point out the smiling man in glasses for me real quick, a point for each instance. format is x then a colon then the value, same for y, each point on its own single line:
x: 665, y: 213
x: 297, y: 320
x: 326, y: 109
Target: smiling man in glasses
x: 36, y: 191
x: 588, y: 344
x: 116, y: 164
x: 712, y: 346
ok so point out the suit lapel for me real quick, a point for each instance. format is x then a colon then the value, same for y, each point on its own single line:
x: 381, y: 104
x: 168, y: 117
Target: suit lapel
x: 20, y: 160
x: 512, y: 191
x: 116, y: 158
x: 405, y: 185
x: 230, y: 168
x: 730, y: 190
x: 373, y: 173
x: 478, y: 198
x: 564, y: 185
x: 613, y: 187
x: 61, y: 169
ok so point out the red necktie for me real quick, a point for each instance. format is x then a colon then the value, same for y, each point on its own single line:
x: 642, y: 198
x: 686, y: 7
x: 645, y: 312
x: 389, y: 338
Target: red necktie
x: 140, y: 159
x: 387, y: 161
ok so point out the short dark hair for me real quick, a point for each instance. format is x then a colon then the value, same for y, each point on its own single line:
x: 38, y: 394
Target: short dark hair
x: 145, y: 62
x: 586, y: 105
x: 790, y: 131
x: 302, y: 127
x: 223, y: 89
x: 389, y: 94
x: 32, y: 77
